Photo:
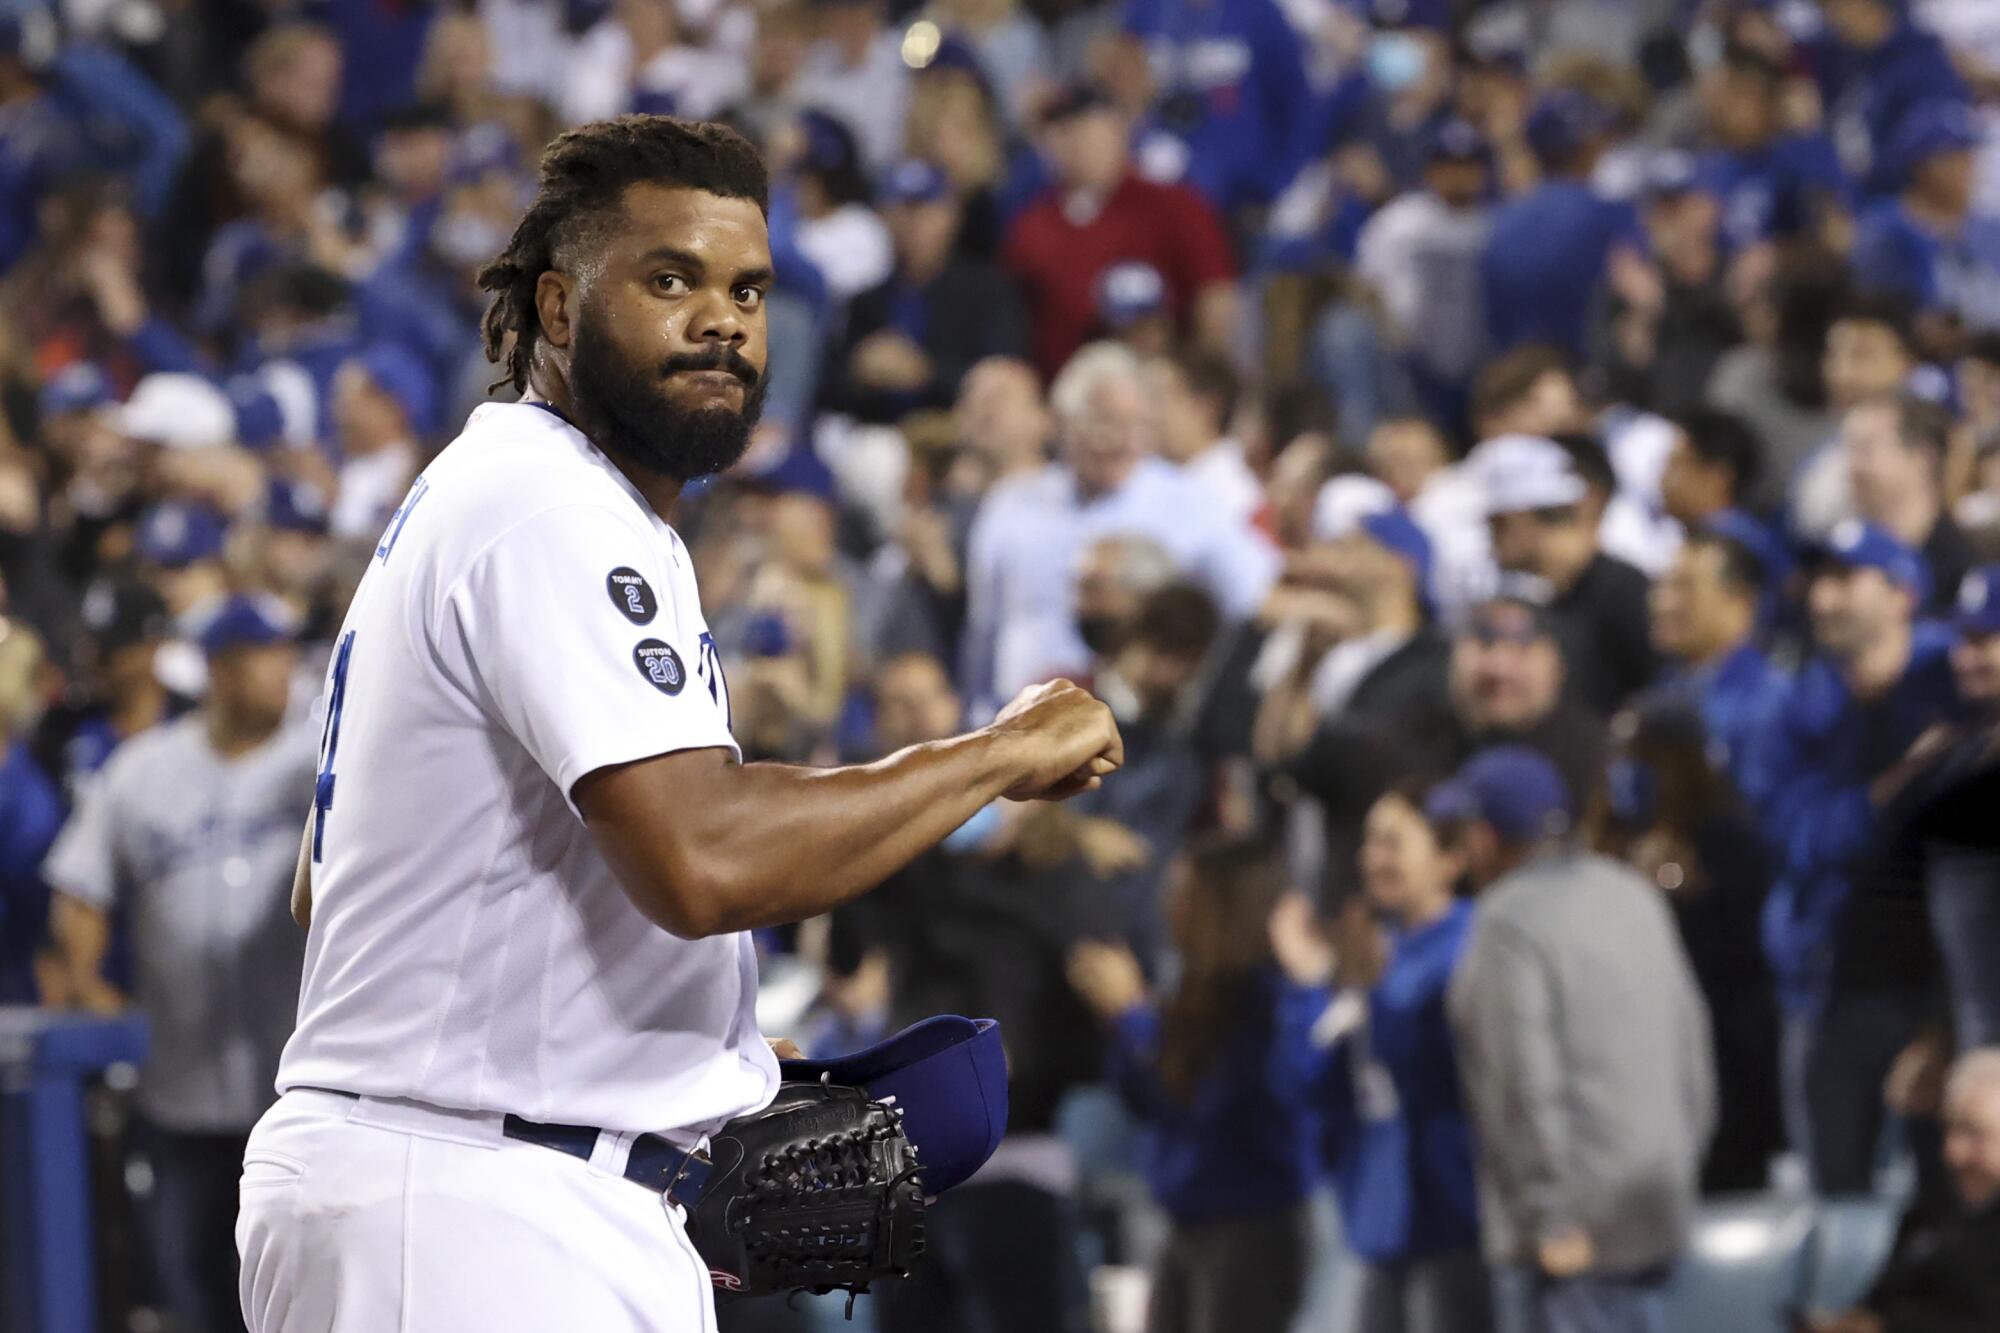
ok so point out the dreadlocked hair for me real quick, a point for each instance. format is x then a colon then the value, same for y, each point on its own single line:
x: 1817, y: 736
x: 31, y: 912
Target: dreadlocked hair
x: 584, y: 174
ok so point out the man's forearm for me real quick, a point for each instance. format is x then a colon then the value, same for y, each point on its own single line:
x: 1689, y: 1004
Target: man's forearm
x: 82, y: 932
x: 767, y: 844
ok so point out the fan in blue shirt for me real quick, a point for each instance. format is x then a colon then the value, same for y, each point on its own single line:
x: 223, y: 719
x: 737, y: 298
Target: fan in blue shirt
x: 1385, y: 1075
x: 1767, y: 183
x: 1881, y: 678
x: 1927, y: 245
x: 1231, y: 94
x: 1546, y: 257
x: 1879, y: 66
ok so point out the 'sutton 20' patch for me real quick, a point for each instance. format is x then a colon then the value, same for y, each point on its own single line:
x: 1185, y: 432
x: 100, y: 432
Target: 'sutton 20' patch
x: 660, y: 665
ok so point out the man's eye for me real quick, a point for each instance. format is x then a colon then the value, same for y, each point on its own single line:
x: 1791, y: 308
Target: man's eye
x: 751, y: 297
x: 673, y: 284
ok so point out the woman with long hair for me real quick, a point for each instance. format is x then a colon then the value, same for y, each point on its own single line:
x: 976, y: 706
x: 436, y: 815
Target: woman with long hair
x: 1211, y: 1071
x: 1395, y: 1134
x: 1675, y: 816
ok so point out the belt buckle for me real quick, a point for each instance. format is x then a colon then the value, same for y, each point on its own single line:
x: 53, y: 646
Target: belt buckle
x: 695, y: 1157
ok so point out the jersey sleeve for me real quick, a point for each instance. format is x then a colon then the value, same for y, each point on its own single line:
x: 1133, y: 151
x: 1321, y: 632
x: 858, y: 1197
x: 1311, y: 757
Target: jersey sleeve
x: 84, y: 861
x: 584, y: 645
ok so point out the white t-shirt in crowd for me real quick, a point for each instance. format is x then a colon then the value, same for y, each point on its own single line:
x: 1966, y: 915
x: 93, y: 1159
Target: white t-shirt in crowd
x: 527, y: 619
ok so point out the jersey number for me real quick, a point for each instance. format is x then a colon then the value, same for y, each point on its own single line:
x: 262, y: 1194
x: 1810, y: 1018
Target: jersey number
x: 330, y: 742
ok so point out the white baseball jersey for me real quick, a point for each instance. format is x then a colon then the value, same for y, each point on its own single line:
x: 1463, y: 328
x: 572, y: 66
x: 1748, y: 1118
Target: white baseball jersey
x: 526, y: 619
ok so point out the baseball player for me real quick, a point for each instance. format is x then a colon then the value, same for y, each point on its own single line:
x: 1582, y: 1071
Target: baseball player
x: 533, y: 851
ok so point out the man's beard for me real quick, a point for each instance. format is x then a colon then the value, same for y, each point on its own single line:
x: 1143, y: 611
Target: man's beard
x: 624, y: 411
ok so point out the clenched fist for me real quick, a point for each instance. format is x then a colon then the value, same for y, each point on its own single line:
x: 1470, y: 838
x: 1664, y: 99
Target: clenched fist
x: 1059, y: 739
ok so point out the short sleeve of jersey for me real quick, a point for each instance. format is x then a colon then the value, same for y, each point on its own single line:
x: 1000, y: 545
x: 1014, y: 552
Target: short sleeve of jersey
x: 84, y: 861
x: 585, y: 643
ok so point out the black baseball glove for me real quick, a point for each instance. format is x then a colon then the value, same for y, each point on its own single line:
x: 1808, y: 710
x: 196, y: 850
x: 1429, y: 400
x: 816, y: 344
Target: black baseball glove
x: 816, y: 1192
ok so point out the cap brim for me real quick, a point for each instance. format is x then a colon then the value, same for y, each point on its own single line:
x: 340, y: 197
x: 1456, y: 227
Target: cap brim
x: 948, y: 1075
x: 1451, y: 802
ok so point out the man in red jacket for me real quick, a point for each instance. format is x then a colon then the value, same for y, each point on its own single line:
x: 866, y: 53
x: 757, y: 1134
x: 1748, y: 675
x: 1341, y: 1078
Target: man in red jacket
x: 1100, y: 212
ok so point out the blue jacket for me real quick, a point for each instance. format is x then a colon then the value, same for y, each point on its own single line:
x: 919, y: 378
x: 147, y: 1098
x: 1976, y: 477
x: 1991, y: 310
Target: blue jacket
x: 1740, y: 699
x: 1243, y: 1144
x: 1544, y: 261
x: 1397, y: 1140
x: 1867, y: 93
x: 31, y: 815
x: 1233, y: 82
x: 1773, y: 190
x: 1960, y: 274
x: 1822, y: 754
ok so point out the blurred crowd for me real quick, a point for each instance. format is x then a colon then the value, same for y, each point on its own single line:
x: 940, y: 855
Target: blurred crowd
x: 1525, y: 474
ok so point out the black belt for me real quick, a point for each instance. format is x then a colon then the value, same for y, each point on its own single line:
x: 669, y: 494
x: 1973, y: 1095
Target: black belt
x: 679, y: 1173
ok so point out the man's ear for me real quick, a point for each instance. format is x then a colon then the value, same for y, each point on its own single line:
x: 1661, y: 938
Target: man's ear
x: 552, y: 306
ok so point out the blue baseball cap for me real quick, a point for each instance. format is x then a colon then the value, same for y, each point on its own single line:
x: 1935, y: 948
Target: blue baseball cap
x: 1858, y: 544
x: 398, y: 372
x: 1979, y: 603
x: 948, y: 1075
x: 1563, y: 121
x: 1396, y: 532
x: 912, y: 181
x: 1130, y: 292
x: 1457, y: 140
x: 829, y: 144
x: 1515, y: 789
x: 1671, y: 173
x: 295, y: 506
x: 244, y: 622
x: 1754, y: 536
x: 1410, y: 14
x: 177, y: 533
x: 77, y: 387
x: 1925, y: 131
x: 955, y: 53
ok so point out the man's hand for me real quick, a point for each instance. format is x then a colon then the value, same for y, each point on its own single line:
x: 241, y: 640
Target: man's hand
x: 784, y: 1048
x: 1915, y: 1085
x: 1061, y: 740
x: 1850, y: 1321
x: 888, y: 360
x: 1109, y: 848
x: 1927, y: 750
x: 1108, y: 978
x: 1299, y: 941
x: 1566, y: 1254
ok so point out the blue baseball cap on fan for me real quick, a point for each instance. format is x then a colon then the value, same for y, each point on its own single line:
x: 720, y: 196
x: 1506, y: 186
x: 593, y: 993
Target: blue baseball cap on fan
x: 1563, y: 121
x: 1130, y: 292
x: 1457, y: 140
x: 77, y: 387
x: 176, y: 534
x: 1671, y: 173
x: 397, y: 371
x: 948, y: 1075
x: 244, y: 622
x: 1979, y: 603
x: 1926, y: 131
x: 1515, y: 789
x: 1861, y: 545
x: 1396, y: 532
x: 295, y: 506
x: 912, y: 181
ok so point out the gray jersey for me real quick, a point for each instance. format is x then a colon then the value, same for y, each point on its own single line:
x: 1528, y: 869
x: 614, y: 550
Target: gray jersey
x: 198, y: 850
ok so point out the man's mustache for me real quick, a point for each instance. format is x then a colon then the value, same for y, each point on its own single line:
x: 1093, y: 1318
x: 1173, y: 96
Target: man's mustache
x: 726, y: 359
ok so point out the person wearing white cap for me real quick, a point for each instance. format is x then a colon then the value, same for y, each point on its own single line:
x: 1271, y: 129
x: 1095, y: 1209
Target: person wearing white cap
x: 1545, y: 503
